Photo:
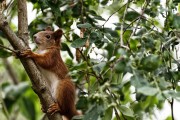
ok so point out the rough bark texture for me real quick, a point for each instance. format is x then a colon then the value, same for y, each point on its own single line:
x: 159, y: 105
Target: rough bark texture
x: 22, y: 21
x: 20, y: 44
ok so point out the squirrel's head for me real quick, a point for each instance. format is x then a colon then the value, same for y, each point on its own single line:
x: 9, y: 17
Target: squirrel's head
x: 48, y: 38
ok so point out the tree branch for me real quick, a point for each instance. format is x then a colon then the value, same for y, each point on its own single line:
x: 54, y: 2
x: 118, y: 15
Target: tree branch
x: 35, y: 76
x: 22, y: 21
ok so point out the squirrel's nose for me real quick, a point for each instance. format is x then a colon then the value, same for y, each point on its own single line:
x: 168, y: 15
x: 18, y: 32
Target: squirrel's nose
x: 34, y: 37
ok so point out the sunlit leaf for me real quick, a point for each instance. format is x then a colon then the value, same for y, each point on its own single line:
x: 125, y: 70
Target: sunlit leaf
x: 139, y: 81
x: 79, y: 43
x: 171, y: 93
x: 126, y: 111
x: 108, y: 114
x: 150, y: 91
x: 85, y: 25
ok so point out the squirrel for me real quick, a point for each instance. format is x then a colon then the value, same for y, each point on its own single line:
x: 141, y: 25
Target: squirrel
x: 49, y: 60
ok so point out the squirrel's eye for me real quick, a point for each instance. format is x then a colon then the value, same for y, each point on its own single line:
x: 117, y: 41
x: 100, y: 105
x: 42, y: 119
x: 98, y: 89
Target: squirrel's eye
x: 48, y: 36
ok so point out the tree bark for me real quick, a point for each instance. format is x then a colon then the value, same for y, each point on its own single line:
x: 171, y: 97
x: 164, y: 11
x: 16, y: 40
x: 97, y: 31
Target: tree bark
x: 22, y: 21
x: 20, y: 44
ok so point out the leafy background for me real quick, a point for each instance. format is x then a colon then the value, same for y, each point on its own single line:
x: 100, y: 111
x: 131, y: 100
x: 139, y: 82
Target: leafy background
x: 123, y: 71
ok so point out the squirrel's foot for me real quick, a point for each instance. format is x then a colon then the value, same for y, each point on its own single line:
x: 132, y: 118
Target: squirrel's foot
x: 53, y: 108
x: 26, y: 53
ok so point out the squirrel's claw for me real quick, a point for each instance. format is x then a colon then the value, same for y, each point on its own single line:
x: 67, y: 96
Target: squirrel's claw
x: 53, y: 108
x: 26, y: 53
x: 16, y: 54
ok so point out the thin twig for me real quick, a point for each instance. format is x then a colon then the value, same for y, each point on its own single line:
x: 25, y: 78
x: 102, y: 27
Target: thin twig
x: 172, y: 109
x: 130, y: 24
x: 135, y: 29
x: 122, y: 24
x: 114, y: 13
x: 4, y: 47
x: 143, y: 17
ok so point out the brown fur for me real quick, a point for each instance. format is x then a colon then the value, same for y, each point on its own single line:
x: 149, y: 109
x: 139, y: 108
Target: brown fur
x: 49, y: 58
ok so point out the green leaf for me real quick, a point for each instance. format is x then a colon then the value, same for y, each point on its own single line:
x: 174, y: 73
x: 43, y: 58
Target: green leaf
x: 131, y: 15
x: 99, y: 18
x: 93, y: 37
x: 164, y: 84
x: 99, y: 67
x: 139, y: 81
x: 150, y: 63
x: 80, y: 66
x: 178, y: 7
x: 108, y: 35
x: 85, y: 25
x: 28, y: 108
x: 171, y: 93
x: 120, y: 66
x: 176, y: 20
x: 1, y: 42
x: 13, y: 92
x: 82, y: 103
x: 110, y: 49
x: 4, y: 53
x: 126, y: 111
x: 134, y: 44
x: 104, y: 2
x: 149, y: 91
x: 141, y: 31
x: 65, y: 47
x: 80, y: 42
x: 108, y: 114
x: 93, y: 113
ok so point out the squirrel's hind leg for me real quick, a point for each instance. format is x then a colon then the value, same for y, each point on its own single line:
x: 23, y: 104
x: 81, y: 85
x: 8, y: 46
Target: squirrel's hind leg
x: 53, y: 108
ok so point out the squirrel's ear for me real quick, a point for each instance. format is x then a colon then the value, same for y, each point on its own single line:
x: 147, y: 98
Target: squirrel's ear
x: 48, y: 28
x: 58, y: 34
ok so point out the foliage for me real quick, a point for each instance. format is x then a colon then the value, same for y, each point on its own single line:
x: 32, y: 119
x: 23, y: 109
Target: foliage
x: 124, y: 71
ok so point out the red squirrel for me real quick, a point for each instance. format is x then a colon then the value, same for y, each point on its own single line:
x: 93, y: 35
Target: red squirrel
x: 49, y: 60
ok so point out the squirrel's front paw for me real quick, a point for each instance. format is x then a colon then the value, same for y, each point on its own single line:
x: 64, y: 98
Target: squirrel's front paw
x: 26, y: 53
